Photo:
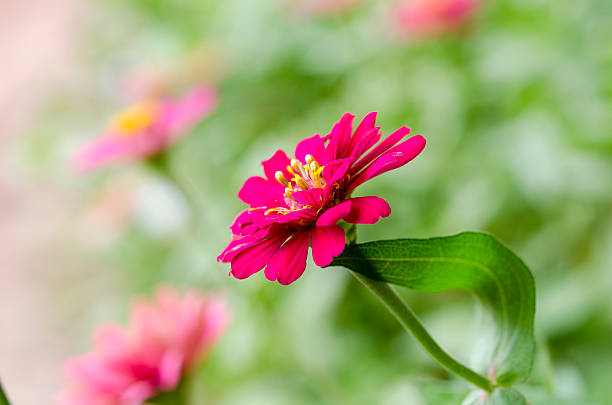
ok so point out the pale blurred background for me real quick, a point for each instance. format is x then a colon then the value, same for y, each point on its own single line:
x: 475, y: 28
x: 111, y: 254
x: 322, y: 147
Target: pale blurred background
x: 517, y: 110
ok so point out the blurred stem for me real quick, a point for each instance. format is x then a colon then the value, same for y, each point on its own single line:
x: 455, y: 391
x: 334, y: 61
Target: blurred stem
x: 408, y: 319
x: 3, y: 398
x: 160, y: 165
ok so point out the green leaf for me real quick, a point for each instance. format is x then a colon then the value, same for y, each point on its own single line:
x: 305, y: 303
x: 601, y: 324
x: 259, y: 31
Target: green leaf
x: 475, y: 262
x: 501, y: 396
x: 3, y: 398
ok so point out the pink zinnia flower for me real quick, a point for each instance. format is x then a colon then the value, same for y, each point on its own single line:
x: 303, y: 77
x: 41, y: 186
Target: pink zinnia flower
x: 147, y: 128
x: 166, y: 339
x: 423, y: 18
x: 300, y: 201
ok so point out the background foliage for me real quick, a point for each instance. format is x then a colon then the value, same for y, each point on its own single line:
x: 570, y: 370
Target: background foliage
x: 517, y: 112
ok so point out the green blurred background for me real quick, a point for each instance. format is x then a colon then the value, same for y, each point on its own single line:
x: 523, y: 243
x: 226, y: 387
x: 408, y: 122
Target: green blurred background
x: 517, y: 111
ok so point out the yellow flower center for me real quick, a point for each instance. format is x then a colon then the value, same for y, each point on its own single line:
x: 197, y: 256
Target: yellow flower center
x: 305, y: 177
x: 136, y: 117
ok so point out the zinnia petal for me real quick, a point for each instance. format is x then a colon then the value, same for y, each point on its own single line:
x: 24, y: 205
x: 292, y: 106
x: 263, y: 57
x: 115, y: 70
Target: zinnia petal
x: 327, y: 243
x: 367, y: 210
x: 314, y: 146
x: 336, y: 170
x: 289, y: 262
x: 258, y: 192
x: 392, y: 159
x: 335, y: 214
x: 240, y: 244
x: 278, y: 162
x: 312, y: 197
x: 340, y: 140
x: 253, y: 259
x: 366, y: 124
x: 381, y: 148
x: 365, y: 142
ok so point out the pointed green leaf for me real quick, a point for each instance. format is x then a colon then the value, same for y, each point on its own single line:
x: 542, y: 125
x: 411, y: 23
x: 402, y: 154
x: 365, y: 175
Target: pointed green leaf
x: 476, y: 262
x: 501, y: 396
x: 3, y: 398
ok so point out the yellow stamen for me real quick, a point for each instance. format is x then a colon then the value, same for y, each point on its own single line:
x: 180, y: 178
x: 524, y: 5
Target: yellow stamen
x: 298, y: 167
x: 300, y: 183
x: 314, y: 167
x: 280, y: 177
x: 309, y: 159
x: 278, y: 210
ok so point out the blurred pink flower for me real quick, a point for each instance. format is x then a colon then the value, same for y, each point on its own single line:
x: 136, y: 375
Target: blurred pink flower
x: 423, y: 18
x: 165, y: 340
x: 325, y: 6
x: 286, y: 216
x: 147, y: 128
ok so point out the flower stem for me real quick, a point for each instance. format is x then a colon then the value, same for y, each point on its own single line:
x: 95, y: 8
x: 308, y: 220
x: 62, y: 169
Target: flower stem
x: 408, y: 319
x: 3, y: 398
x: 161, y: 166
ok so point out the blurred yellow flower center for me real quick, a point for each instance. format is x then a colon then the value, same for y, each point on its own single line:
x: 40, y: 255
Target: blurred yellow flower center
x: 136, y: 118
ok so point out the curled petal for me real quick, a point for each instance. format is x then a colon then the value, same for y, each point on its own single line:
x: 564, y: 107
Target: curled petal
x: 381, y: 148
x: 366, y: 124
x: 365, y: 142
x: 244, y: 224
x: 367, y: 210
x: 340, y: 140
x: 327, y: 243
x: 312, y: 197
x: 335, y: 214
x: 336, y: 170
x: 289, y: 262
x: 238, y: 245
x: 278, y: 162
x: 314, y: 146
x: 258, y: 192
x: 392, y: 159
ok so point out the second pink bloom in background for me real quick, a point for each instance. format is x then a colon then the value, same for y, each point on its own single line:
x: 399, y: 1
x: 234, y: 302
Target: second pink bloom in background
x: 166, y: 339
x: 426, y: 18
x: 147, y: 128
